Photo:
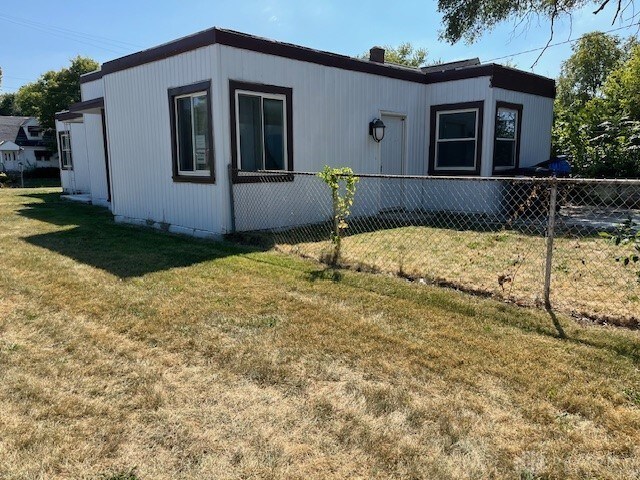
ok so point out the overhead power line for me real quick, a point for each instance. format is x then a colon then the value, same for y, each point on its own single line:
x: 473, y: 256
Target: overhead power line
x: 104, y: 43
x: 556, y: 44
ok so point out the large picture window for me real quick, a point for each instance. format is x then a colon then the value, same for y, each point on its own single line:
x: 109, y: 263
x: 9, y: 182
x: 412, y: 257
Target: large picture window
x: 456, y: 138
x: 192, y: 145
x: 261, y: 129
x: 66, y: 160
x: 506, y: 150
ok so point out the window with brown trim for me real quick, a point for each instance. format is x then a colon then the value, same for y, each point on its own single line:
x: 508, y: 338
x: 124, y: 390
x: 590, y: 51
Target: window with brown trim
x: 506, y: 147
x: 66, y: 159
x: 456, y: 139
x: 261, y: 131
x: 191, y: 133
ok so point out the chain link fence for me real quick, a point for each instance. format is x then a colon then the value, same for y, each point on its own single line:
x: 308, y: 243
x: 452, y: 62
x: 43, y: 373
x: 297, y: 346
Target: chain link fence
x: 526, y: 240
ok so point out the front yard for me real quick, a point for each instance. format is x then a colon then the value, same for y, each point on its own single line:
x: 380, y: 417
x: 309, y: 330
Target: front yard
x: 130, y: 352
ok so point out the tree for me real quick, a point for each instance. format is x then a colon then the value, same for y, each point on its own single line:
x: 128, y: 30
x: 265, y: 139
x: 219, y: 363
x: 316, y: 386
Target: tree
x: 466, y: 19
x: 622, y: 88
x: 595, y: 55
x: 8, y: 104
x: 53, y: 91
x: 404, y: 54
x: 597, y: 112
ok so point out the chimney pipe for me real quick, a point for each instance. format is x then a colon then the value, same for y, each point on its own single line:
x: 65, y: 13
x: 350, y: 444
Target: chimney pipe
x: 376, y: 54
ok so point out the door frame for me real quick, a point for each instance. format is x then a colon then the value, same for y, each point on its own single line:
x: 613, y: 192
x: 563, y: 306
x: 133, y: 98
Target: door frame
x: 403, y: 163
x: 405, y: 139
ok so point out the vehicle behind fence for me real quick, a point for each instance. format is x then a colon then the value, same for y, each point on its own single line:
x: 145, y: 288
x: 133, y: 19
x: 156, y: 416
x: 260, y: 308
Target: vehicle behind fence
x: 528, y: 240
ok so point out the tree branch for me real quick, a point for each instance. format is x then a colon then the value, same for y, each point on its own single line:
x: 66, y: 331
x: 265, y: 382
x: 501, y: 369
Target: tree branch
x: 601, y: 7
x: 554, y: 14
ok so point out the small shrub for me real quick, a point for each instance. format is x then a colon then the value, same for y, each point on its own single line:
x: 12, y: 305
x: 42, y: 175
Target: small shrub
x: 335, y: 178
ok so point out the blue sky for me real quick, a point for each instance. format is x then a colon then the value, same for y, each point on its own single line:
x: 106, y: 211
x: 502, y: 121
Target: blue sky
x: 57, y: 31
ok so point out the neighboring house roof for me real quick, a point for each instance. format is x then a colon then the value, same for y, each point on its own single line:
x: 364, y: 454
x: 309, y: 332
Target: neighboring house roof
x: 501, y: 77
x: 438, y: 67
x: 10, y: 127
x: 13, y: 129
x: 8, y: 146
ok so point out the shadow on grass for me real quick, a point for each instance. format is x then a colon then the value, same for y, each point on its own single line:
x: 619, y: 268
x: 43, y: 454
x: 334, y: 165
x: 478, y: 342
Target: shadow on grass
x: 327, y: 273
x: 90, y: 236
x: 556, y: 323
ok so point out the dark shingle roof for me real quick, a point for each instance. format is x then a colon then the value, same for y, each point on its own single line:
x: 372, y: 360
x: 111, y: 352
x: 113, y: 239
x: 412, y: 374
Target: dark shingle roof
x: 11, y: 130
x: 10, y: 127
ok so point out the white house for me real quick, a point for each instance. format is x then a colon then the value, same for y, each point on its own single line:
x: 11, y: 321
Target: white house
x: 156, y: 130
x: 23, y: 145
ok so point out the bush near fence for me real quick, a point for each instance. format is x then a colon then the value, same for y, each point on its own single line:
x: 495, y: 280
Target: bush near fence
x: 485, y: 235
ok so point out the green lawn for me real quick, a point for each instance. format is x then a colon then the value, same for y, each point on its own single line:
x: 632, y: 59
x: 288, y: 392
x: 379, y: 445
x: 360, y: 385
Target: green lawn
x: 126, y: 353
x: 586, y: 278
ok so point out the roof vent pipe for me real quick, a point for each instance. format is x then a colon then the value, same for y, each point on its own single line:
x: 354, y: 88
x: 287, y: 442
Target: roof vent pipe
x: 376, y: 54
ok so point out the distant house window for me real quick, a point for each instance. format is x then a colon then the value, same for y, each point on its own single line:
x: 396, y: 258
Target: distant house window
x: 9, y: 156
x: 35, y: 131
x: 261, y: 128
x: 42, y: 155
x: 456, y: 138
x: 66, y: 160
x: 191, y: 133
x: 506, y: 151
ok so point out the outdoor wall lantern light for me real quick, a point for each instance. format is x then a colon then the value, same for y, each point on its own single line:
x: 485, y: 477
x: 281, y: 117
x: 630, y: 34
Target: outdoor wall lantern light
x: 376, y: 129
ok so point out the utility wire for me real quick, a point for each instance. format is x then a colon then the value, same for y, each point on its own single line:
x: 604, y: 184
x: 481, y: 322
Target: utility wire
x: 556, y: 44
x: 67, y: 37
x: 33, y: 23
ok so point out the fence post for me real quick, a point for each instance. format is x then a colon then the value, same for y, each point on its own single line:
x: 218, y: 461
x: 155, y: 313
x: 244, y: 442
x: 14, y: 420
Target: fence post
x: 21, y: 176
x: 232, y: 199
x: 551, y: 223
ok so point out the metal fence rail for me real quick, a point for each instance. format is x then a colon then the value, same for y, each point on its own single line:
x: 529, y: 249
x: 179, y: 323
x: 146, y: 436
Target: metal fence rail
x: 531, y: 241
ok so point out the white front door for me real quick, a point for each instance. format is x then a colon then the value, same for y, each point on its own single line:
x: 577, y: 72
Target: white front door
x: 392, y: 162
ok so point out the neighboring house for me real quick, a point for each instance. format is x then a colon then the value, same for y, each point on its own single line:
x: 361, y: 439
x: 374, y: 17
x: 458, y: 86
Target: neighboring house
x: 157, y: 129
x: 23, y: 145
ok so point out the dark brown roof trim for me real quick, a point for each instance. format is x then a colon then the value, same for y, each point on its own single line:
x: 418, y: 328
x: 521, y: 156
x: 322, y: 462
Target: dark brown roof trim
x: 525, y: 82
x: 91, y: 76
x: 87, y: 105
x: 502, y: 77
x: 262, y: 45
x: 166, y: 50
x: 65, y: 116
x: 304, y: 54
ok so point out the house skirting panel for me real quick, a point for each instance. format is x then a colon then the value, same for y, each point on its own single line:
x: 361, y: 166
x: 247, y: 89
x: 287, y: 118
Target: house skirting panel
x: 166, y: 227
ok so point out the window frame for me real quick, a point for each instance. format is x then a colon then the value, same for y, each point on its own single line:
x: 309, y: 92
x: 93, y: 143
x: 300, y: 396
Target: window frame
x: 436, y: 111
x: 518, y: 107
x: 68, y: 165
x: 197, y: 176
x: 285, y: 94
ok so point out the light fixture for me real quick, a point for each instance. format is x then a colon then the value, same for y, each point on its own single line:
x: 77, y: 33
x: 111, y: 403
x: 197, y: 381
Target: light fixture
x: 376, y: 129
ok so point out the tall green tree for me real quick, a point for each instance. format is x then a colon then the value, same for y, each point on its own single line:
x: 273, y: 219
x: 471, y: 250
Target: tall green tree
x: 404, y: 54
x: 469, y: 19
x: 53, y: 91
x: 8, y: 104
x: 622, y: 88
x: 597, y: 111
x: 595, y: 55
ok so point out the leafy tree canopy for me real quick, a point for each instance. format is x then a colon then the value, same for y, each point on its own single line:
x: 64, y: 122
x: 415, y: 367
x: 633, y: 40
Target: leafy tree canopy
x: 595, y: 56
x: 404, y: 54
x: 53, y: 91
x: 469, y: 19
x: 622, y: 88
x: 8, y: 104
x: 597, y: 111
